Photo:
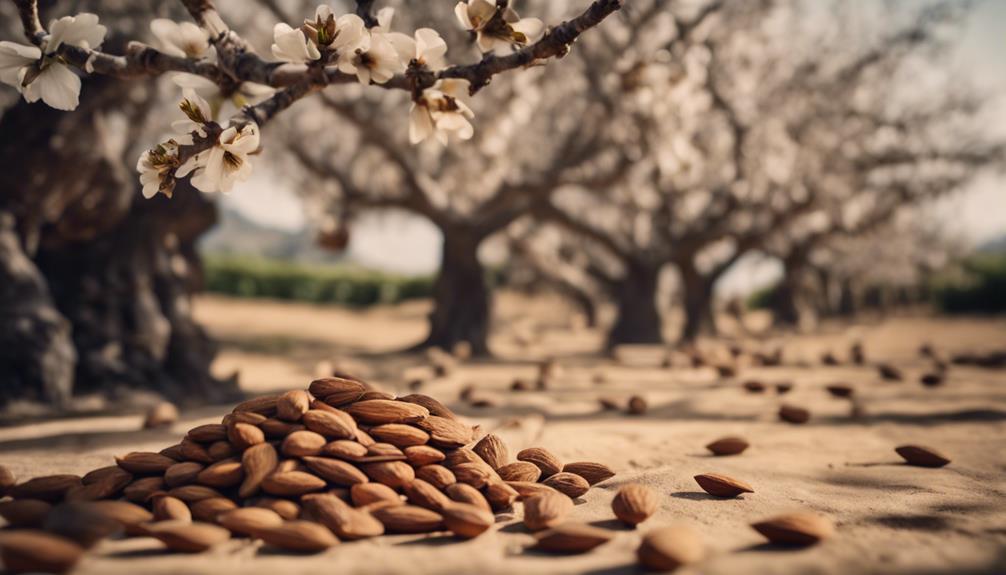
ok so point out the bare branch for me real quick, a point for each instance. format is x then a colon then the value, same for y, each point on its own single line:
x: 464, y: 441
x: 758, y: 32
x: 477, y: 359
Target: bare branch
x: 28, y: 10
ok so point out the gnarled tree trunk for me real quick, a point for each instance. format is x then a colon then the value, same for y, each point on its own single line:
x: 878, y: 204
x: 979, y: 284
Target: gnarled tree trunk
x: 698, y: 301
x: 461, y: 297
x: 637, y: 320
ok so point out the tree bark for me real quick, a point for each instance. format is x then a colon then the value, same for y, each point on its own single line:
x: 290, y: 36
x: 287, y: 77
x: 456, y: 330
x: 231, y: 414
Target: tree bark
x: 698, y: 300
x: 461, y: 297
x: 785, y: 299
x: 637, y: 320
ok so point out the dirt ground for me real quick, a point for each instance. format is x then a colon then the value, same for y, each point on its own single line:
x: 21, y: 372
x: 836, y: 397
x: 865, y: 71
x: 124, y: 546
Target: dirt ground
x: 891, y: 518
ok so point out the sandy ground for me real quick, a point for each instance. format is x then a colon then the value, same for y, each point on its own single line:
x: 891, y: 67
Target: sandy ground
x: 891, y: 518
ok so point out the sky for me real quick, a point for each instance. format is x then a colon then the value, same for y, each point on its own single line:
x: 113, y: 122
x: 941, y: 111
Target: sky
x: 408, y: 244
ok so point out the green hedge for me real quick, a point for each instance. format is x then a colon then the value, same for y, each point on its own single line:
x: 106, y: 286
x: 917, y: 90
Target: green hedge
x: 978, y: 285
x: 344, y: 285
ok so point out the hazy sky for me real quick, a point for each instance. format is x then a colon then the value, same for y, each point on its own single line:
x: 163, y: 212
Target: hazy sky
x: 409, y: 244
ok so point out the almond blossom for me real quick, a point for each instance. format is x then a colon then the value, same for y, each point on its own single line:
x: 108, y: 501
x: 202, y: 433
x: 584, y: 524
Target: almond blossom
x: 497, y: 28
x: 155, y: 168
x: 226, y: 163
x: 442, y: 111
x: 246, y: 94
x: 375, y: 59
x: 185, y: 40
x: 292, y: 45
x: 41, y: 74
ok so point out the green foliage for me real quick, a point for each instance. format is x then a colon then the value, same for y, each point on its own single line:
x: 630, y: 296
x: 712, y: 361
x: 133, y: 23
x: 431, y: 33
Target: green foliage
x: 344, y: 285
x: 977, y: 285
x: 761, y: 298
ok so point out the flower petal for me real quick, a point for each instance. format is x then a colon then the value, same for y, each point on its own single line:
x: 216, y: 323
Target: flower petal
x: 58, y: 87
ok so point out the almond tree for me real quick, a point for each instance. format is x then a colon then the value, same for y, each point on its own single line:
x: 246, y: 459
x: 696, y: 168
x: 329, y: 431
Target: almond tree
x: 120, y: 314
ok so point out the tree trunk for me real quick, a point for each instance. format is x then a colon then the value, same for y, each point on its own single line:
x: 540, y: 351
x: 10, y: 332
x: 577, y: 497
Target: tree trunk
x: 698, y: 300
x: 100, y: 278
x: 785, y: 299
x: 637, y: 320
x: 461, y: 297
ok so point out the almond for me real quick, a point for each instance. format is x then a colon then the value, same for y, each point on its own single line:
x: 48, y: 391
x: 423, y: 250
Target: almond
x: 922, y: 456
x: 265, y: 405
x: 667, y: 548
x: 438, y: 475
x: 569, y: 484
x: 145, y: 463
x: 390, y: 473
x: 499, y: 495
x: 594, y: 473
x: 840, y: 390
x: 207, y: 433
x: 729, y: 445
x: 376, y: 394
x: 543, y: 459
x: 258, y: 462
x: 292, y: 483
x: 277, y: 428
x: 285, y: 508
x: 466, y: 521
x: 400, y: 435
x: 426, y: 495
x: 193, y: 493
x: 209, y: 510
x: 292, y: 405
x: 636, y: 406
x: 182, y: 473
x: 367, y: 493
x: 332, y: 424
x: 27, y: 551
x: 520, y: 471
x: 80, y: 523
x: 140, y: 490
x: 378, y: 411
x: 304, y: 536
x: 793, y: 414
x: 303, y: 443
x: 461, y: 455
x: 464, y: 493
x: 446, y: 433
x: 192, y: 451
x: 244, y: 435
x: 432, y: 405
x: 635, y: 503
x: 409, y: 519
x: 249, y: 520
x: 343, y: 520
x: 7, y: 480
x: 335, y: 471
x: 364, y: 438
x: 336, y: 390
x: 188, y: 537
x: 721, y: 485
x: 163, y: 414
x: 47, y: 488
x: 248, y: 417
x: 889, y: 372
x: 166, y: 508
x: 801, y: 528
x: 104, y: 483
x: 474, y: 474
x: 25, y: 512
x: 221, y: 450
x: 347, y: 449
x: 546, y: 510
x: 129, y: 515
x: 493, y: 451
x: 419, y: 455
x: 571, y: 538
x: 222, y: 474
x: 528, y: 489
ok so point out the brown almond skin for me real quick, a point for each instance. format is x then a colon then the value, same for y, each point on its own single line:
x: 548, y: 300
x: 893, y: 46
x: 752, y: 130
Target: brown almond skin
x: 188, y: 537
x: 25, y: 513
x: 47, y: 488
x: 668, y: 548
x: 303, y: 443
x: 466, y: 521
x: 569, y: 484
x: 367, y: 493
x: 420, y: 455
x: 304, y: 536
x: 345, y: 521
x: 349, y: 449
x: 571, y: 538
x: 193, y: 493
x: 278, y: 429
x: 182, y: 473
x: 285, y: 508
x: 222, y: 474
x: 922, y: 456
x: 546, y: 510
x: 292, y: 405
x: 794, y: 414
x: 208, y: 433
x: 244, y: 435
x: 142, y: 463
x: 292, y: 483
x: 431, y: 404
x: 454, y: 457
x: 446, y: 433
x: 635, y: 503
x: 520, y: 471
x: 209, y: 509
x: 594, y: 473
x: 335, y: 471
x: 390, y: 473
x: 500, y: 495
x: 424, y: 494
x: 527, y: 489
x: 192, y: 451
x: 7, y: 480
x: 258, y: 462
x: 474, y: 474
x: 329, y: 386
x: 543, y: 459
x: 378, y: 411
x: 796, y: 529
x: 438, y: 475
x: 30, y: 551
x: 400, y: 435
x: 249, y: 520
x: 221, y: 450
x: 722, y: 486
x: 129, y: 515
x: 140, y: 490
x: 265, y: 405
x: 493, y: 451
x: 409, y: 519
x: 464, y: 493
x: 636, y: 406
x: 167, y: 508
x: 330, y: 424
x: 107, y: 485
x: 729, y: 445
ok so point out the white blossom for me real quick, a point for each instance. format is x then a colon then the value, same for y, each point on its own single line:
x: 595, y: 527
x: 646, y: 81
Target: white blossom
x: 375, y: 59
x: 185, y: 40
x: 197, y: 113
x: 441, y: 112
x: 154, y: 167
x: 43, y: 75
x: 292, y: 45
x: 247, y: 93
x: 426, y: 47
x: 497, y: 29
x: 226, y: 163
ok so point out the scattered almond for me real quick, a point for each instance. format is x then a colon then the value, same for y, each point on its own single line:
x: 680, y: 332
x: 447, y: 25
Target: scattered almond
x: 572, y: 538
x: 793, y: 414
x: 635, y: 503
x: 721, y: 485
x: 542, y: 459
x: 569, y: 484
x: 520, y: 471
x: 466, y: 521
x: 802, y: 528
x: 637, y: 405
x: 730, y: 445
x: 922, y: 456
x: 163, y: 414
x: 546, y: 510
x: 667, y: 548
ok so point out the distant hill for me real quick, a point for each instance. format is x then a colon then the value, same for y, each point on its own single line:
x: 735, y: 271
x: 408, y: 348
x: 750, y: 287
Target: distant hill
x: 237, y: 235
x: 997, y: 245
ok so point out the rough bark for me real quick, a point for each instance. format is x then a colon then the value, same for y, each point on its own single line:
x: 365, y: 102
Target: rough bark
x: 698, y: 301
x: 638, y: 320
x: 461, y: 296
x: 786, y: 308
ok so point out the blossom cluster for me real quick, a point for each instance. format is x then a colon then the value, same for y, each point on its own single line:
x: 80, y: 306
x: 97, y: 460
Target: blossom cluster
x: 216, y: 155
